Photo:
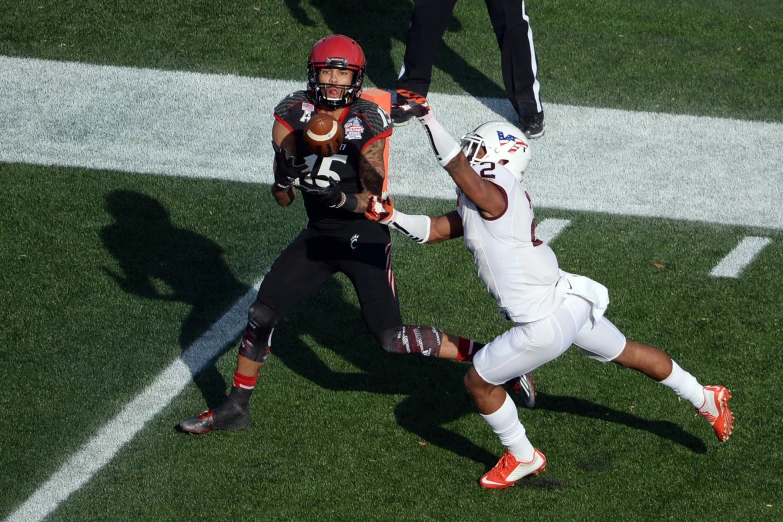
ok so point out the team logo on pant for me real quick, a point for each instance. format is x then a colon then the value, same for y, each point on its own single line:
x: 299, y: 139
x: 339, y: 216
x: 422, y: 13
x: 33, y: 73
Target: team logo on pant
x: 354, y: 240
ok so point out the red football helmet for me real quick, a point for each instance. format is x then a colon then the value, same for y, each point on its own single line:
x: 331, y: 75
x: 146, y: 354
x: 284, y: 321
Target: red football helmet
x: 337, y: 52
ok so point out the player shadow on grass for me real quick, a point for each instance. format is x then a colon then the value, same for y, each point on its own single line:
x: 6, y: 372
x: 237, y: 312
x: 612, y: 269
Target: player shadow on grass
x: 163, y: 262
x: 433, y: 389
x: 353, y: 18
x: 583, y: 408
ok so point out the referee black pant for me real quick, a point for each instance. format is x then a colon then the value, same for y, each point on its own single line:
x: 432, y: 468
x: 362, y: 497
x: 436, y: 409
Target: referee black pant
x: 515, y: 39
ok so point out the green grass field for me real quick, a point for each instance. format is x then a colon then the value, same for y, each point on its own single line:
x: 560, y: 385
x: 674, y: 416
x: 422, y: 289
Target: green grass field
x: 107, y: 277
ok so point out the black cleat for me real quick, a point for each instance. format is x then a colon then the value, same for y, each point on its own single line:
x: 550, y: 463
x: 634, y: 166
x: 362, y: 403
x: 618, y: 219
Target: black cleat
x: 229, y: 416
x: 199, y: 424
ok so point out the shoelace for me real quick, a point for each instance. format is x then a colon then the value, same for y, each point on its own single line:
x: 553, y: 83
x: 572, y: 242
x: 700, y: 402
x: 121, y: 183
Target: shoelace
x: 505, y: 463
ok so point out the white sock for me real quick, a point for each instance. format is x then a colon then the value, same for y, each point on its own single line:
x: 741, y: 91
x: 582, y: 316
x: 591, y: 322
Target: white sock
x: 505, y: 423
x: 685, y: 385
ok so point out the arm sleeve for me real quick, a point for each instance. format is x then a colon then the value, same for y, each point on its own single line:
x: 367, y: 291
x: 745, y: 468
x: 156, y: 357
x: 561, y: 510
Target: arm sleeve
x: 416, y: 227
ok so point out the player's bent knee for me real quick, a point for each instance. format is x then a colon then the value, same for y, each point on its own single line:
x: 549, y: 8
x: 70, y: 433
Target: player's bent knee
x: 473, y: 382
x: 262, y: 315
x: 467, y: 380
x: 388, y: 339
x: 261, y: 321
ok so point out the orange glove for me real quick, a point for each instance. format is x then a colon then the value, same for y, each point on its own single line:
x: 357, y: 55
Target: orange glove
x: 412, y: 103
x: 379, y: 209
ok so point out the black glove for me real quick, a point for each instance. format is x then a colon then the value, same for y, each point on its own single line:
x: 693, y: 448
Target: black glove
x: 330, y: 195
x: 286, y: 172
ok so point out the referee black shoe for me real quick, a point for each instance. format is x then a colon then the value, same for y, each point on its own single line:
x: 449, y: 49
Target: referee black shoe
x: 533, y: 127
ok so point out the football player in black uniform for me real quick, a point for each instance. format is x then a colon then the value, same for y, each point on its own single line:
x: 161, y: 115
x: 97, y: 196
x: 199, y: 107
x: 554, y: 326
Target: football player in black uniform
x: 338, y: 237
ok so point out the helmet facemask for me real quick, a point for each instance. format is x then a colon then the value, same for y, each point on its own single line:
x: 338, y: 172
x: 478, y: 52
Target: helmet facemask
x: 471, y: 144
x: 335, y: 52
x: 348, y: 93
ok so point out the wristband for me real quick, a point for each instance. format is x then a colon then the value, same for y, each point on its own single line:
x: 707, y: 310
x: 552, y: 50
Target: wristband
x: 342, y: 201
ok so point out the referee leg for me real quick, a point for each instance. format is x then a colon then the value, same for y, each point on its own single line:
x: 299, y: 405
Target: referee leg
x: 429, y: 21
x: 518, y: 57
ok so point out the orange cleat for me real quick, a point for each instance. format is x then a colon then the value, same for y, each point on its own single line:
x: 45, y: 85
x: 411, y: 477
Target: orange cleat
x: 508, y: 470
x: 717, y: 412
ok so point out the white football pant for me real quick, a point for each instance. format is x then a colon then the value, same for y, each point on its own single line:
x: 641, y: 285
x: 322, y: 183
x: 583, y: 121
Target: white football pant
x: 527, y: 346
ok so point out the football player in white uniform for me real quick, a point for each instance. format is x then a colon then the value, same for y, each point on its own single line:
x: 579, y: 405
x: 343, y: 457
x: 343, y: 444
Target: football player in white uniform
x: 551, y: 309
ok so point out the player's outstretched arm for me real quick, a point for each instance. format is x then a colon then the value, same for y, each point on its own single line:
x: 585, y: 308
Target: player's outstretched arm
x: 447, y: 226
x: 420, y: 228
x: 483, y: 193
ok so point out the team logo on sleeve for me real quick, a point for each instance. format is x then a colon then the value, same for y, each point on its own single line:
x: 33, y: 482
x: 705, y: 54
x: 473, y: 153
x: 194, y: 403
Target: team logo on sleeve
x: 307, y: 110
x: 353, y: 129
x: 508, y: 138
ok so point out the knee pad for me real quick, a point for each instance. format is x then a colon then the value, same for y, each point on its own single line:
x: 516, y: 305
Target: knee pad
x: 388, y: 339
x: 256, y: 341
x: 411, y: 338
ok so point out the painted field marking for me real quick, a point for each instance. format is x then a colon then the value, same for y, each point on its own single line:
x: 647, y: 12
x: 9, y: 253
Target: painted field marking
x: 218, y: 126
x: 738, y: 259
x: 104, y: 445
x: 549, y: 229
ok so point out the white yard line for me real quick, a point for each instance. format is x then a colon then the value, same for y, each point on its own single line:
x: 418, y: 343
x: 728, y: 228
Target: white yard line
x: 104, y: 445
x: 548, y: 230
x: 218, y: 126
x: 738, y: 259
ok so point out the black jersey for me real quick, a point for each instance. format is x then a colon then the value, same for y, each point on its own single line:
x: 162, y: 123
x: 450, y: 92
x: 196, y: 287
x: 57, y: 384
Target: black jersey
x: 364, y: 122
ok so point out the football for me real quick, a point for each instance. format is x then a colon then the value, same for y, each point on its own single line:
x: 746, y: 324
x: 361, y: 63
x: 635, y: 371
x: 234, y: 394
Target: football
x: 323, y: 135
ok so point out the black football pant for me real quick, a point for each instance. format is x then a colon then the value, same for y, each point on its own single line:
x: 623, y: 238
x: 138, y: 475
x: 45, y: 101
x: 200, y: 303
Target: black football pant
x: 514, y: 37
x: 360, y: 250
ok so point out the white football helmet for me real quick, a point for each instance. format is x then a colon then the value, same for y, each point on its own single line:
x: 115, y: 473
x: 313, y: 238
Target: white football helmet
x: 504, y: 144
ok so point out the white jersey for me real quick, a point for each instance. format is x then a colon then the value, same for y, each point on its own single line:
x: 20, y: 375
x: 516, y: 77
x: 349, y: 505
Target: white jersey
x: 519, y: 271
